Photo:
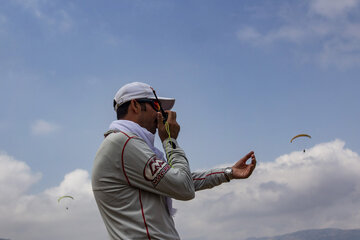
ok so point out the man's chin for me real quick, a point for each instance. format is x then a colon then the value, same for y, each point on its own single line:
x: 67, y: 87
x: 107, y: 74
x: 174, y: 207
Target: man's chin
x: 153, y: 131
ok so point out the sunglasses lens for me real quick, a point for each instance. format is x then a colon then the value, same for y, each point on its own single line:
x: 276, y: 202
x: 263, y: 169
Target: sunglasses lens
x: 156, y: 105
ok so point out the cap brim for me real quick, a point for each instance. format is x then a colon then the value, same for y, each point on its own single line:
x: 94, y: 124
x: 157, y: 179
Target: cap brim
x: 166, y: 103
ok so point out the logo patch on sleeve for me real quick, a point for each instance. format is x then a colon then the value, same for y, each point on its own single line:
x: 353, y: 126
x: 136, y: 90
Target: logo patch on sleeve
x: 155, y: 170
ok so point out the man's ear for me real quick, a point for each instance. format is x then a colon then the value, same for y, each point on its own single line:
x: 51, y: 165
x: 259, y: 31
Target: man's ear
x: 135, y: 106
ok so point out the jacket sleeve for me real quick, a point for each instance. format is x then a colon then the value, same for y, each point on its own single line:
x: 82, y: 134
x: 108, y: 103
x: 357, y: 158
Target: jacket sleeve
x: 144, y: 170
x: 208, y: 179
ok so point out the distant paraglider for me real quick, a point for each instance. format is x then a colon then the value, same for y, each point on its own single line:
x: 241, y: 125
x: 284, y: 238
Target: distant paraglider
x: 66, y: 200
x: 298, y: 136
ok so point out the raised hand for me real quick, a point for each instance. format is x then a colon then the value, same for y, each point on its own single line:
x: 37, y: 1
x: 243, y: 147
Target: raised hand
x: 174, y: 127
x: 243, y: 170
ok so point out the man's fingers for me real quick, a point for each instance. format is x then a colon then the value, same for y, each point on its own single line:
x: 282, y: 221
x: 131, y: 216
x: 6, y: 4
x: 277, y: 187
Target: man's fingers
x: 247, y: 156
x: 243, y: 160
x: 171, y: 115
x: 253, y: 163
x: 253, y: 159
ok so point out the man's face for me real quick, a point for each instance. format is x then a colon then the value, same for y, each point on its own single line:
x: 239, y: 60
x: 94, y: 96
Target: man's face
x: 148, y: 118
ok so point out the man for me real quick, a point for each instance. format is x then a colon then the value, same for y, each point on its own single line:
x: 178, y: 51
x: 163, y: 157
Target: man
x: 132, y: 181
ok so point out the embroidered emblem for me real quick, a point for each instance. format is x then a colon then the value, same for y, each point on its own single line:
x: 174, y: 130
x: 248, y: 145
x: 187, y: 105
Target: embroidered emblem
x: 155, y: 170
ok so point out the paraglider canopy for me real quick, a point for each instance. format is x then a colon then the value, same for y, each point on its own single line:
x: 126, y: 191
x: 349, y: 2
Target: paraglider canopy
x: 64, y: 197
x: 298, y: 136
x: 65, y: 200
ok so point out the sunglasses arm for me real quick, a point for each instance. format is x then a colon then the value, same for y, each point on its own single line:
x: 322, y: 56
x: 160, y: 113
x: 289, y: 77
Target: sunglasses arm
x: 165, y: 115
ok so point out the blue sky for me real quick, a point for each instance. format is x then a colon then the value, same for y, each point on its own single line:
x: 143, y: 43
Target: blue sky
x: 246, y: 75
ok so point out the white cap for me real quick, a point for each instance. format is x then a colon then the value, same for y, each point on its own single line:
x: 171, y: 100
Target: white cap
x: 137, y: 90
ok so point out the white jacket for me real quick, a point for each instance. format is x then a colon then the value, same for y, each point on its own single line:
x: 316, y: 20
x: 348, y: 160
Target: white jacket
x: 130, y: 186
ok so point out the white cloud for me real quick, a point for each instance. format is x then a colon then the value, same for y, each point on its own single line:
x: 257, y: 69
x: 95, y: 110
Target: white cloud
x: 249, y: 34
x: 42, y: 127
x: 345, y: 53
x: 57, y: 18
x: 15, y: 178
x: 316, y: 189
x: 75, y: 182
x: 332, y: 8
x: 286, y: 33
x: 325, y: 31
x: 3, y: 22
x: 40, y: 216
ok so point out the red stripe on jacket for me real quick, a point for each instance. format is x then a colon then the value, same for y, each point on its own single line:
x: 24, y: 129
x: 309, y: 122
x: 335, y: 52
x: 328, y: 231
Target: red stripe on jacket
x: 122, y: 157
x: 143, y: 215
x: 127, y: 179
x: 208, y: 175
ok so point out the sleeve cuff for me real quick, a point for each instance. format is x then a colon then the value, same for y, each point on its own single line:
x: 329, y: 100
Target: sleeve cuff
x: 170, y: 143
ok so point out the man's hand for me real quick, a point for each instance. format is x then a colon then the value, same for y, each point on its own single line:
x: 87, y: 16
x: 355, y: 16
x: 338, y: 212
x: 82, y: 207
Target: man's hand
x: 243, y: 170
x: 174, y: 127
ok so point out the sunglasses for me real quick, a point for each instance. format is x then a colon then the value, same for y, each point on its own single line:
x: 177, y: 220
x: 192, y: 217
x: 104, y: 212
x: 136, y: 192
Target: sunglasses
x: 155, y: 104
x: 165, y: 114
